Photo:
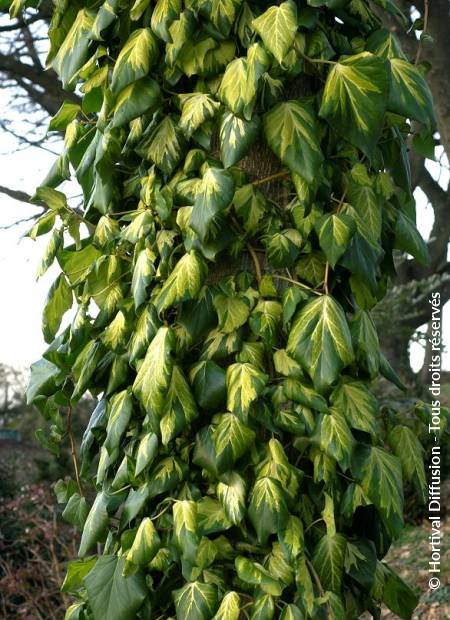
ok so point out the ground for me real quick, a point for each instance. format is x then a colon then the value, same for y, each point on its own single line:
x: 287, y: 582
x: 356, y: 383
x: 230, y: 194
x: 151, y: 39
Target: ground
x: 409, y: 557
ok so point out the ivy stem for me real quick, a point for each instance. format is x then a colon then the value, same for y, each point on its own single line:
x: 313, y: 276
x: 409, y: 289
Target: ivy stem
x: 73, y: 450
x: 271, y: 177
x: 255, y: 262
x: 425, y: 27
x: 300, y: 284
x: 325, y: 279
x: 313, y: 523
x: 341, y: 202
x: 318, y: 583
x: 321, y: 61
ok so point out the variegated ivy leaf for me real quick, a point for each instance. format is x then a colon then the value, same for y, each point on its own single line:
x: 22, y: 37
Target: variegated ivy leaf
x: 335, y: 437
x: 143, y: 273
x: 145, y: 545
x: 148, y: 448
x: 320, y: 340
x: 277, y: 28
x: 184, y: 282
x: 237, y: 91
x: 335, y: 232
x: 96, y: 524
x: 357, y: 403
x: 221, y: 13
x: 186, y: 527
x: 255, y: 574
x: 409, y: 94
x: 155, y: 371
x: 245, y: 383
x: 283, y: 248
x: 406, y: 446
x: 119, y: 416
x: 291, y: 612
x: 215, y: 194
x: 328, y: 560
x: 232, y: 311
x: 74, y: 50
x: 231, y: 492
x: 211, y: 517
x: 237, y: 136
x: 164, y: 14
x: 232, y: 439
x: 380, y: 476
x: 291, y: 130
x: 355, y: 97
x: 180, y: 407
x: 196, y: 601
x: 263, y: 607
x: 267, y: 510
x: 196, y: 108
x: 135, y: 60
x: 137, y: 98
x: 408, y: 239
x: 166, y: 145
x: 230, y: 607
x: 250, y: 205
x: 59, y: 301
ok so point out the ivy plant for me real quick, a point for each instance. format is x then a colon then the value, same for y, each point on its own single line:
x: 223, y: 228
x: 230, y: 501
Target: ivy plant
x: 245, y: 182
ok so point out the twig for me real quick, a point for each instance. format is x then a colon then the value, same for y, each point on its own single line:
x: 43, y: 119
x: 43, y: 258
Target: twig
x: 73, y: 450
x: 300, y: 284
x: 271, y: 177
x: 425, y: 27
x: 325, y: 278
x: 255, y: 262
x: 312, y: 570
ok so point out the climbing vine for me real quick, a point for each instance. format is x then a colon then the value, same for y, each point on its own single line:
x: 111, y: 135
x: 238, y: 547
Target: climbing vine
x: 245, y: 183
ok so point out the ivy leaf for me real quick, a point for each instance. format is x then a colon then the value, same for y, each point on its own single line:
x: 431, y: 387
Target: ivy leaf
x: 291, y: 131
x: 354, y: 99
x: 291, y: 612
x: 184, y: 282
x: 380, y: 476
x: 365, y: 342
x: 335, y: 438
x: 232, y: 311
x: 143, y: 273
x: 291, y: 538
x: 250, y: 205
x: 211, y: 517
x: 215, y: 194
x: 265, y: 320
x: 267, y: 509
x: 256, y: 575
x: 146, y: 327
x: 135, y: 60
x: 148, y: 449
x: 409, y: 94
x: 154, y: 374
x: 145, y: 545
x: 180, y: 408
x: 76, y: 572
x: 277, y: 28
x: 334, y: 232
x: 165, y: 146
x: 320, y: 340
x: 221, y: 13
x: 196, y: 108
x: 328, y: 560
x: 112, y: 595
x: 209, y: 383
x: 196, y: 601
x: 398, y: 595
x: 166, y: 476
x: 283, y: 247
x: 263, y: 608
x: 236, y: 89
x: 118, y: 419
x: 408, y: 239
x: 59, y: 301
x: 143, y: 96
x: 237, y: 136
x: 357, y: 404
x: 231, y: 491
x: 74, y: 50
x: 232, y: 439
x: 96, y: 524
x: 244, y: 384
x: 185, y: 528
x: 408, y: 449
x: 163, y: 15
x: 230, y: 607
x: 64, y: 116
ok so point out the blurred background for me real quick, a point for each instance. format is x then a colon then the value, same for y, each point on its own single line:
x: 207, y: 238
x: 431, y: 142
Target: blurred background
x: 34, y: 542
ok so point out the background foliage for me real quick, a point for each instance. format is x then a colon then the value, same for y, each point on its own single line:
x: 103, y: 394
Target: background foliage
x: 246, y: 181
